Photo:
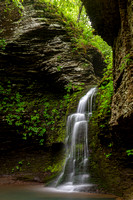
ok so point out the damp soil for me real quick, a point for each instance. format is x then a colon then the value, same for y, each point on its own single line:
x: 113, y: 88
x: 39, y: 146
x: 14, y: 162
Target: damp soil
x: 10, y: 180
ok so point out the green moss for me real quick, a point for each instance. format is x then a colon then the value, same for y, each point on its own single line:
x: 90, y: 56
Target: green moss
x: 105, y: 172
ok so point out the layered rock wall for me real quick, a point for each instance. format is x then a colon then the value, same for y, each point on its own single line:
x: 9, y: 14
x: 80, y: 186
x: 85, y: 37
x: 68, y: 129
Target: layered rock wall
x: 113, y: 20
x: 122, y: 103
x: 39, y: 48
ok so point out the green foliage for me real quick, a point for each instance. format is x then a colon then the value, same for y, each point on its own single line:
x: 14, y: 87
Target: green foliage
x: 18, y: 167
x: 59, y: 68
x: 105, y: 91
x: 129, y: 152
x: 16, y: 3
x: 15, y: 111
x: 56, y: 167
x: 71, y: 87
x: 81, y: 32
x: 125, y: 61
x: 2, y: 44
x: 58, y: 57
x: 100, y: 119
x: 41, y: 119
x: 107, y: 155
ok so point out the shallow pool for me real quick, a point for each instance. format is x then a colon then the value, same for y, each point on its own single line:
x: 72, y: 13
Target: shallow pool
x: 42, y: 193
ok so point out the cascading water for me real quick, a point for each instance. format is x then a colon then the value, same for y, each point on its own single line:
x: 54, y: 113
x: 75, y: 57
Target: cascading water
x: 75, y: 174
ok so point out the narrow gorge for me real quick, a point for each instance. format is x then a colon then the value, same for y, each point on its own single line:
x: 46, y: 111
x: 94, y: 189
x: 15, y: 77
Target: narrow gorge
x: 48, y: 63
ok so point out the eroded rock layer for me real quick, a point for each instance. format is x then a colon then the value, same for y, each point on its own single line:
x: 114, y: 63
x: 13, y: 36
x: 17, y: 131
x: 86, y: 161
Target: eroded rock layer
x: 39, y: 47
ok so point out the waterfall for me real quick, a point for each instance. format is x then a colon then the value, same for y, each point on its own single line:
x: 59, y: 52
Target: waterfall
x: 75, y: 174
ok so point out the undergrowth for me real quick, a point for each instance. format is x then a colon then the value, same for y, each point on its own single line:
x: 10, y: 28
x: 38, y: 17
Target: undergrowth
x: 42, y: 119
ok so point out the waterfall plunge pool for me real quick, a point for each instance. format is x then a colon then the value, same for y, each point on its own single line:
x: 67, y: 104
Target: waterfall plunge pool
x: 43, y: 193
x: 75, y: 175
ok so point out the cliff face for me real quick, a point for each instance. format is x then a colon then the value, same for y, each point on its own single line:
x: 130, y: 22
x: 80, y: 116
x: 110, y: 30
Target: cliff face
x: 113, y: 20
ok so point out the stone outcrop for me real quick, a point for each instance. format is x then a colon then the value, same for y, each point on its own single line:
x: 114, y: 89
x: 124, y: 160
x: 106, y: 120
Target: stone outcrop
x: 39, y: 48
x: 113, y: 20
x: 105, y: 18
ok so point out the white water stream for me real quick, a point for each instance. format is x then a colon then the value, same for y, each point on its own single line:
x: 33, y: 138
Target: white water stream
x: 75, y: 175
